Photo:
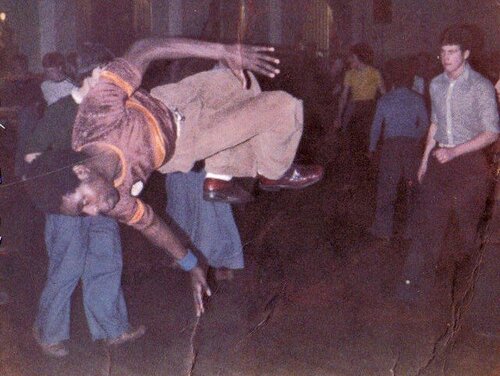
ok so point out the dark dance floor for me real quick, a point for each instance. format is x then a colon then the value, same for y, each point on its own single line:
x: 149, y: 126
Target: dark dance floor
x: 315, y: 297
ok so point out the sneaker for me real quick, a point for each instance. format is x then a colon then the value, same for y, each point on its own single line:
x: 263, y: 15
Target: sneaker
x: 55, y: 350
x: 129, y: 336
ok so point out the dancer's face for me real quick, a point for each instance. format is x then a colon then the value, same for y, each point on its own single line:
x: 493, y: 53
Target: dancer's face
x: 95, y: 195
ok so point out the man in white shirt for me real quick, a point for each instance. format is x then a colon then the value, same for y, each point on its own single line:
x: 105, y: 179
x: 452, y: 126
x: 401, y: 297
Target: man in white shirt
x: 57, y: 84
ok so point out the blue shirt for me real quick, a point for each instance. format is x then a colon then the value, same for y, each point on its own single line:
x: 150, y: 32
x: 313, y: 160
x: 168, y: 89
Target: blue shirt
x: 403, y: 113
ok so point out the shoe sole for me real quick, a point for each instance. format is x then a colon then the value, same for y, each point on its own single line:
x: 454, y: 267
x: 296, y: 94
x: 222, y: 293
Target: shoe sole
x: 214, y: 196
x: 56, y: 354
x: 140, y: 331
x: 276, y: 188
x: 61, y: 353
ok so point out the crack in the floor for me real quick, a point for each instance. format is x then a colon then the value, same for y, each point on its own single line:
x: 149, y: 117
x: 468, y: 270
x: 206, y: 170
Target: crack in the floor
x: 394, y: 367
x: 459, y: 306
x: 269, y: 310
x: 193, y: 353
x: 107, y: 367
x: 270, y: 305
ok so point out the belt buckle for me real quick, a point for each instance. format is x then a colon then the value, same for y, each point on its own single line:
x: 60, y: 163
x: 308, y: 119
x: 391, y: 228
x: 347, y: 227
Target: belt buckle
x: 178, y: 116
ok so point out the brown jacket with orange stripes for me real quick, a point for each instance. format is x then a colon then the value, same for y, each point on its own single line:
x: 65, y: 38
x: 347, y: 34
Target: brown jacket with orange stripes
x: 138, y: 128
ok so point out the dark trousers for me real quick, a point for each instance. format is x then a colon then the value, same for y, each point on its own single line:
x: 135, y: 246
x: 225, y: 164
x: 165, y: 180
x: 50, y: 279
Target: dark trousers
x: 358, y: 128
x: 360, y: 114
x: 458, y: 187
x: 399, y: 159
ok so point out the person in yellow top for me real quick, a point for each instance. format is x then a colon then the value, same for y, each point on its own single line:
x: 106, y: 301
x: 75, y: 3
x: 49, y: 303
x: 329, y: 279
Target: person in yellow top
x: 362, y: 82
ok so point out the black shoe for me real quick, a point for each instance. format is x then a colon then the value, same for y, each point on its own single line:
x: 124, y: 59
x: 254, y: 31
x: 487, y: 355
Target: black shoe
x: 296, y: 177
x: 225, y: 191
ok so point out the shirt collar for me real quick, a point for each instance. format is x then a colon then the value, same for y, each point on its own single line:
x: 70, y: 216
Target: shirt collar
x: 463, y: 77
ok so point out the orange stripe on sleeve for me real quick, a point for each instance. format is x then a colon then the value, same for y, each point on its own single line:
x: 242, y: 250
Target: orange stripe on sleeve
x: 156, y: 134
x: 139, y: 213
x: 123, y: 163
x: 118, y: 81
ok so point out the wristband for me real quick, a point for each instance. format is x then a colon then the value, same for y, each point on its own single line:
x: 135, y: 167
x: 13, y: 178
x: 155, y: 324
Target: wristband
x: 188, y: 262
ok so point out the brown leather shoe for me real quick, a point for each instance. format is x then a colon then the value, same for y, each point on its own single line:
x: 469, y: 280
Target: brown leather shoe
x: 130, y: 335
x: 296, y: 177
x: 225, y: 191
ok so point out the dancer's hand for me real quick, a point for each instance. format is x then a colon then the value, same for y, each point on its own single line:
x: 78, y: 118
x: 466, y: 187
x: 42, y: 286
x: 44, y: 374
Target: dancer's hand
x: 238, y: 57
x: 200, y: 287
x: 31, y: 157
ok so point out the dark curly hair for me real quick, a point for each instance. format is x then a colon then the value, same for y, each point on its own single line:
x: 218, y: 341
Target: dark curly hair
x: 460, y: 35
x: 53, y: 60
x: 364, y: 52
x: 399, y: 73
x: 50, y: 176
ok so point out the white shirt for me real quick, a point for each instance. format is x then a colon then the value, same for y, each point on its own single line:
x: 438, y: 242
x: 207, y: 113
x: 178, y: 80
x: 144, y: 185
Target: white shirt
x: 53, y: 91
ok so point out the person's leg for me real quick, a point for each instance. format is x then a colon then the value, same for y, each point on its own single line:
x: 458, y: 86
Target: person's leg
x: 273, y: 120
x: 359, y: 130
x: 411, y: 155
x: 63, y: 237
x: 353, y: 129
x: 103, y: 299
x: 469, y: 203
x: 357, y: 135
x: 256, y: 135
x: 365, y: 121
x: 209, y: 225
x: 389, y: 175
x: 182, y: 199
x: 243, y: 134
x: 430, y: 222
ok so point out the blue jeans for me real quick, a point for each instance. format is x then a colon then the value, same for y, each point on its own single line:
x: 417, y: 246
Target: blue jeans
x: 210, y: 226
x: 86, y: 249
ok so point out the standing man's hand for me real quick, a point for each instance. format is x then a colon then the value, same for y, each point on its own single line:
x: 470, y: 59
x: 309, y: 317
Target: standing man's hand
x: 239, y: 57
x: 200, y: 287
x: 421, y: 172
x: 497, y: 88
x: 444, y: 155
